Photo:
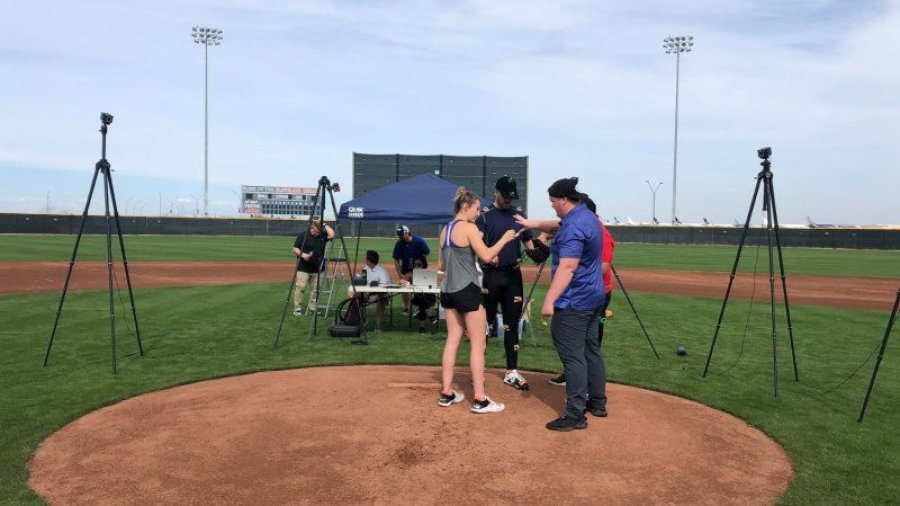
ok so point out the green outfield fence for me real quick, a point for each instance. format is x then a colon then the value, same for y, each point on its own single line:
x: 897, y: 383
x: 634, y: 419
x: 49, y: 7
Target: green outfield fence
x: 852, y: 238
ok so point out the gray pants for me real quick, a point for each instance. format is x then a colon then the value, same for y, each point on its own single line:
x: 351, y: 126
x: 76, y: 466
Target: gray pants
x: 575, y: 335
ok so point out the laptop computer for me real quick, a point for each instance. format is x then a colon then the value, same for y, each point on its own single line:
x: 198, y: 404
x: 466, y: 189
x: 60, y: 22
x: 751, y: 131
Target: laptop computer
x: 424, y: 278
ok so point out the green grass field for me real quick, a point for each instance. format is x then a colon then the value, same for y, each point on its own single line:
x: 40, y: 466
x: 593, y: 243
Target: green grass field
x: 196, y: 333
x: 825, y: 262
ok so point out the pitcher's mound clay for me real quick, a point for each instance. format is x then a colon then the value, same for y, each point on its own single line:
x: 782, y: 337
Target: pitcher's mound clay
x: 376, y: 435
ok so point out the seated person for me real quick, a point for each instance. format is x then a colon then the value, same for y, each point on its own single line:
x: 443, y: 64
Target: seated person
x: 408, y: 248
x: 375, y: 275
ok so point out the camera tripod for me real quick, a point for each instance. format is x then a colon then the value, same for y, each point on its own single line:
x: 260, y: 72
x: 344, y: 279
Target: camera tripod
x: 764, y: 179
x: 622, y: 286
x: 109, y: 195
x: 319, y: 205
x: 884, y: 341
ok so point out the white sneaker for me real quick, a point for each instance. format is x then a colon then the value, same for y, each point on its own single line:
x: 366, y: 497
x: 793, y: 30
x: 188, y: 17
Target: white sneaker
x: 298, y: 312
x: 515, y: 380
x: 449, y: 400
x: 487, y: 406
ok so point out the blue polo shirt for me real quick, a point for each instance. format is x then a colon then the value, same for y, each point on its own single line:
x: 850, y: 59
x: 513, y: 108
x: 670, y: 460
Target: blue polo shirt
x: 493, y: 223
x: 407, y: 252
x: 579, y: 236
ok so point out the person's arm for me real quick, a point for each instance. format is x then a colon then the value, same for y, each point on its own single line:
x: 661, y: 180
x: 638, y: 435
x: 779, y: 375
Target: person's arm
x: 558, y: 285
x: 443, y: 237
x: 476, y: 241
x: 329, y: 232
x: 548, y: 226
x: 296, y: 249
x: 425, y: 249
x: 606, y: 252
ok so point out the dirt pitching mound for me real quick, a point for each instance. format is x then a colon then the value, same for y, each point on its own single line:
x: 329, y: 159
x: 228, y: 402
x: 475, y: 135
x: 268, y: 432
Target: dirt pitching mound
x: 376, y: 435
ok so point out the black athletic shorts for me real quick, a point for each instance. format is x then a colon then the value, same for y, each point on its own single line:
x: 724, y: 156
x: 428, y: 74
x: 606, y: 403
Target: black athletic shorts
x: 465, y: 301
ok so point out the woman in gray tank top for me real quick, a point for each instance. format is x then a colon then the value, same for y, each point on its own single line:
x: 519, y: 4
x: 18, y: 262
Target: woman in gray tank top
x: 461, y: 241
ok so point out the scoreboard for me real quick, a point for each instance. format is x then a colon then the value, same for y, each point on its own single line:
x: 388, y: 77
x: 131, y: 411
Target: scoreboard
x: 277, y: 200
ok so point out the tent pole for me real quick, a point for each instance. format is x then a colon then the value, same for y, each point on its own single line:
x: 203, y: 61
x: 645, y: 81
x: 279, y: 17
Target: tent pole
x: 356, y: 253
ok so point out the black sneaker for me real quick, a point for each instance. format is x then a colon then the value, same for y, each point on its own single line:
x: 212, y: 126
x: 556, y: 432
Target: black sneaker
x: 566, y: 423
x: 599, y: 411
x: 559, y: 381
x: 422, y: 330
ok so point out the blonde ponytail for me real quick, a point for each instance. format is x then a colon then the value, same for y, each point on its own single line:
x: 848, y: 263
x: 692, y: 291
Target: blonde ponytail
x: 463, y: 197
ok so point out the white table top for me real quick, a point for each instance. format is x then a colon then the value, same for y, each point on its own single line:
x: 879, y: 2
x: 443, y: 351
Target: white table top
x: 397, y: 289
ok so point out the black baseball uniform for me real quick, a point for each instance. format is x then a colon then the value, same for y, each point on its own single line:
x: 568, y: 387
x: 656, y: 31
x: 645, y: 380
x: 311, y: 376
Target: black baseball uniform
x: 502, y: 282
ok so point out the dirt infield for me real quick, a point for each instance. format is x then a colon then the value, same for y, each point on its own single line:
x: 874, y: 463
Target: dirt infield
x: 376, y: 435
x: 859, y: 293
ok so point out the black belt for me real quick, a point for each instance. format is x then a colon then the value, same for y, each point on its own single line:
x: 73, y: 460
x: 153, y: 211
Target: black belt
x: 501, y: 268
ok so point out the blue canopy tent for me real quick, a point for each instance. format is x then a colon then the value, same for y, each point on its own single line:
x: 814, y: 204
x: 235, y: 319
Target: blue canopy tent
x: 421, y: 199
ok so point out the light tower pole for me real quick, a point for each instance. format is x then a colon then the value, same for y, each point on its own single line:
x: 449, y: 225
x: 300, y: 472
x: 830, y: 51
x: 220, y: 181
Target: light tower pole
x: 208, y: 37
x: 676, y: 46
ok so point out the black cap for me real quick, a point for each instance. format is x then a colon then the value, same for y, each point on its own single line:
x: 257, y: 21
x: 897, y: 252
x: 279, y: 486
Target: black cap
x: 402, y: 230
x: 507, y: 188
x: 565, y: 189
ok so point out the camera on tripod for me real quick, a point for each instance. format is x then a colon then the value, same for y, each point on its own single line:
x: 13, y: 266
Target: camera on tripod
x: 764, y: 153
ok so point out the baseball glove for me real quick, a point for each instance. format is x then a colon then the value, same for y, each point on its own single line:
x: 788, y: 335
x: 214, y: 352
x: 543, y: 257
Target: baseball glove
x: 540, y: 253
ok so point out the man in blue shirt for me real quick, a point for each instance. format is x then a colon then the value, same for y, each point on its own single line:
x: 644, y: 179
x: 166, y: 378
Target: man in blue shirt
x: 408, y: 248
x: 574, y: 301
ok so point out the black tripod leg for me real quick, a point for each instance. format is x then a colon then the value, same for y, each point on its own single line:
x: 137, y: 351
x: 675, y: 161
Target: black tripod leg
x: 737, y: 259
x: 884, y: 341
x: 634, y: 310
x: 287, y: 300
x: 62, y: 298
x: 340, y: 234
x: 109, y: 268
x: 767, y: 199
x: 320, y: 206
x: 787, y: 306
x: 137, y: 329
x: 530, y: 297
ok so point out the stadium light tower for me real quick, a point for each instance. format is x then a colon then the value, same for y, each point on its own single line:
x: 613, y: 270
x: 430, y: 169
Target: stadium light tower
x: 676, y: 46
x: 208, y: 37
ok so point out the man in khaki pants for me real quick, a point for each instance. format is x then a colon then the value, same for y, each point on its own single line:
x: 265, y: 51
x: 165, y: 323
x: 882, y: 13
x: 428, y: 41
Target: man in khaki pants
x: 309, y: 247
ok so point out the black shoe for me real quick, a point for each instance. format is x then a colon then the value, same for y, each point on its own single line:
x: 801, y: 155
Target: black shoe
x: 422, y: 330
x: 599, y: 411
x: 559, y: 381
x: 566, y: 423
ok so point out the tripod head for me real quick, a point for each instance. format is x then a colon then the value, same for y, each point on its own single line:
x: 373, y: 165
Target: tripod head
x: 764, y: 154
x: 324, y: 181
x: 105, y: 119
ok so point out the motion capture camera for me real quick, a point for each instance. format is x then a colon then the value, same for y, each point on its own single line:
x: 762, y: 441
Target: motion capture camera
x: 764, y: 153
x: 106, y: 118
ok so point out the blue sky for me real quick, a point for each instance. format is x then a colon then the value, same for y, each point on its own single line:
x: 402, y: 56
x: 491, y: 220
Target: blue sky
x: 581, y: 87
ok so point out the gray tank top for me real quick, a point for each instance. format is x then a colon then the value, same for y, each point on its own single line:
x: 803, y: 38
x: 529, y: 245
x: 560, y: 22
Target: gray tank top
x: 459, y: 264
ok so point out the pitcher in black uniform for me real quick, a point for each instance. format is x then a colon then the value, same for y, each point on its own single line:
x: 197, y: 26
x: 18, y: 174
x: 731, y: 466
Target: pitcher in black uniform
x: 502, y: 282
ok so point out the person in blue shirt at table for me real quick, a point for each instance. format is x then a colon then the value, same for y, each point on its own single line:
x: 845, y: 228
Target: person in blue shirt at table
x: 408, y: 248
x: 574, y: 301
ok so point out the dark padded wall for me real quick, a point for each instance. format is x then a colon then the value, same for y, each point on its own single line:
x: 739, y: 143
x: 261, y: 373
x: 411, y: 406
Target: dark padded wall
x: 851, y: 238
x: 478, y: 173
